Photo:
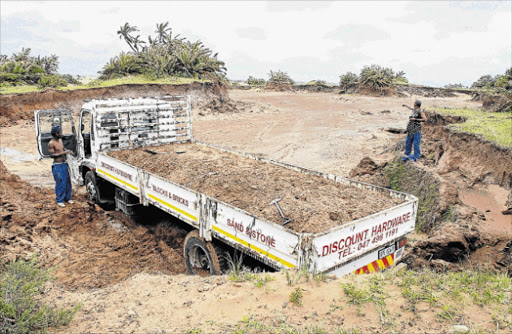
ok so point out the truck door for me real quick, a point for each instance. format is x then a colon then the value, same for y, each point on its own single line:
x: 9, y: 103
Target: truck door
x: 44, y: 121
x: 85, y: 134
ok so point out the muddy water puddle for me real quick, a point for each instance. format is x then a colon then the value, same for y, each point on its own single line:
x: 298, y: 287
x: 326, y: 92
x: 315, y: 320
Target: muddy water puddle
x: 490, y: 201
x: 16, y: 155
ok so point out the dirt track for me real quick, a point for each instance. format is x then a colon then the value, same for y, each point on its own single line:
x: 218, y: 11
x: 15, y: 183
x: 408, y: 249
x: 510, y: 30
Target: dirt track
x: 322, y: 131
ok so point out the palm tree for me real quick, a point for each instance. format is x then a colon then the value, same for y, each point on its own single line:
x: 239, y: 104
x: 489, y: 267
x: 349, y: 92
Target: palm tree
x: 124, y: 32
x: 3, y: 59
x: 161, y: 30
x: 22, y: 56
x: 51, y: 64
x: 163, y: 55
x: 136, y: 42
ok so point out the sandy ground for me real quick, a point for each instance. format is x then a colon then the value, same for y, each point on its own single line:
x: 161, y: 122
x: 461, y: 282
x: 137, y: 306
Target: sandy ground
x: 322, y: 131
x: 18, y: 152
x: 121, y: 272
x: 190, y: 304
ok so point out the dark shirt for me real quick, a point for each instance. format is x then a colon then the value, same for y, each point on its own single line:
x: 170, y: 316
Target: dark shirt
x: 414, y: 127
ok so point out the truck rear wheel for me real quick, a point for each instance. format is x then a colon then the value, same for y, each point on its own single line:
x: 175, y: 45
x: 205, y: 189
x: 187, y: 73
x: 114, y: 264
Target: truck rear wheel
x: 200, y: 256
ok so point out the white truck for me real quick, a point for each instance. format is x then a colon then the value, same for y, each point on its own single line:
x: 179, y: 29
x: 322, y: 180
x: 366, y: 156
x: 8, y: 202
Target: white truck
x: 369, y: 244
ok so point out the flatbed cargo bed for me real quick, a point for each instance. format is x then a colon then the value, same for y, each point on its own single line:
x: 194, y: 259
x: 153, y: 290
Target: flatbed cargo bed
x: 312, y: 203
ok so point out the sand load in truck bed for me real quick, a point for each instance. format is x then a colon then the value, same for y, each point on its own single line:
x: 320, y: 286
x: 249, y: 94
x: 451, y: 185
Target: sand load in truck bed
x: 312, y: 203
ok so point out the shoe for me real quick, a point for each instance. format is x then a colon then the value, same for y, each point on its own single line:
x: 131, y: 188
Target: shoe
x: 62, y: 205
x: 71, y: 201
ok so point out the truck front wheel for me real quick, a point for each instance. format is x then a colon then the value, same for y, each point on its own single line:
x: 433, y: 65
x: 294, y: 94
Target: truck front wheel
x: 200, y: 256
x: 92, y: 187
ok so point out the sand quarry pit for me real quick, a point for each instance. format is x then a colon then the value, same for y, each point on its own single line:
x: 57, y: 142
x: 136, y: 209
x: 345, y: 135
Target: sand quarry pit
x: 312, y: 203
x: 130, y: 274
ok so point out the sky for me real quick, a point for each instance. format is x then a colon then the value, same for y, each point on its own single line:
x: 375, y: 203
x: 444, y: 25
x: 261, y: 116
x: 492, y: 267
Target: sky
x: 434, y: 42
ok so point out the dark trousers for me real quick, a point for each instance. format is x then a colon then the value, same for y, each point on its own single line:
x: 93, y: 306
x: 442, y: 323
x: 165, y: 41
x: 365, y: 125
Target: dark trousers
x: 410, y: 142
x: 62, y: 182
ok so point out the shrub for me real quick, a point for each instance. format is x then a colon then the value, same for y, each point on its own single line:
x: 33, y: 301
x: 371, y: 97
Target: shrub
x: 497, y: 84
x: 376, y: 77
x: 280, y: 77
x: 255, y: 82
x: 70, y: 79
x: 21, y: 68
x: 505, y: 81
x: 317, y: 83
x: 21, y: 311
x: 455, y: 86
x: 53, y: 81
x: 11, y: 79
x: 348, y: 79
x: 485, y: 81
x: 400, y: 78
x: 123, y: 65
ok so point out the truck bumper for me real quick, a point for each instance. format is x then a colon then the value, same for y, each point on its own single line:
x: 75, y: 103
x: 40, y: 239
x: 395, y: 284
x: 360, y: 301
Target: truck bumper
x: 377, y: 260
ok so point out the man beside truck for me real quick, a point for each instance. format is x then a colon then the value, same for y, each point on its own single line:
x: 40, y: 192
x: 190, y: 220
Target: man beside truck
x: 60, y: 167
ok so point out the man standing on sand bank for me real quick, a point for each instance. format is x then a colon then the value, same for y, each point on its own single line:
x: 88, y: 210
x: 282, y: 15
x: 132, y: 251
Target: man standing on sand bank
x: 60, y: 167
x: 414, y: 132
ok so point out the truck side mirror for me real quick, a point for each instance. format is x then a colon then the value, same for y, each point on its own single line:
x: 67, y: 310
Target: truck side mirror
x: 82, y: 128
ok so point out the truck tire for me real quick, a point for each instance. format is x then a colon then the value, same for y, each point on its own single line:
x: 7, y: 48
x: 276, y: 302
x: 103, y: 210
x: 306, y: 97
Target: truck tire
x: 200, y: 256
x: 96, y: 189
x: 92, y: 187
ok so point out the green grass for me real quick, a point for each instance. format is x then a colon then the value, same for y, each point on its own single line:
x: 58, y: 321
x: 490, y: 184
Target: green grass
x: 18, y: 89
x: 259, y: 279
x: 294, y: 276
x: 395, y: 171
x: 138, y: 80
x: 495, y: 127
x: 321, y: 277
x: 405, y: 178
x: 296, y: 296
x: 478, y: 287
x: 449, y: 214
x: 237, y: 272
x: 447, y: 313
x: 427, y: 199
x: 375, y: 292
